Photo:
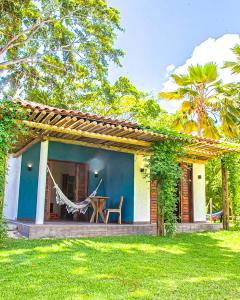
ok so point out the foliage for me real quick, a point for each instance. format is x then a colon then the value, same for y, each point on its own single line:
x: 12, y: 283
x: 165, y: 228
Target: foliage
x: 58, y: 52
x: 133, y: 267
x: 8, y: 130
x: 3, y: 232
x: 164, y: 168
x: 126, y: 102
x: 232, y: 162
x: 205, y: 102
x: 234, y: 65
x: 214, y: 183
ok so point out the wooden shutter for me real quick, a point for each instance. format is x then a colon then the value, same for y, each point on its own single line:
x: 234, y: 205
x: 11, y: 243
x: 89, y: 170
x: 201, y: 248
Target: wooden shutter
x: 186, y: 194
x: 81, y: 188
x: 81, y: 175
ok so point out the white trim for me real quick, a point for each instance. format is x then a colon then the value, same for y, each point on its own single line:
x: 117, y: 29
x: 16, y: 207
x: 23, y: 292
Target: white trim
x: 141, y: 191
x: 199, y: 193
x: 42, y: 182
x: 10, y: 208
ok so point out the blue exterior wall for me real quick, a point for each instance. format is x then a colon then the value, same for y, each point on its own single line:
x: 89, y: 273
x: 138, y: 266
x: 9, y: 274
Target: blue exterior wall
x: 115, y: 168
x: 28, y: 183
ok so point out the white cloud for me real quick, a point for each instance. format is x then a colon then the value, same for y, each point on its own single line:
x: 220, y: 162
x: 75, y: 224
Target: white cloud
x: 211, y: 50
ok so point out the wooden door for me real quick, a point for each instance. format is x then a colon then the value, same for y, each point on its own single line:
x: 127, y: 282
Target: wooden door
x: 81, y: 188
x: 68, y: 188
x: 186, y: 194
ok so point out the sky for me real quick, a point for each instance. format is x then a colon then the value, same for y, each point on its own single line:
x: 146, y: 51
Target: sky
x: 165, y: 36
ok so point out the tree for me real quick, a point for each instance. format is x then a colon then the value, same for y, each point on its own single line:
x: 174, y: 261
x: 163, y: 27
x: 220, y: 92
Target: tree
x: 205, y: 102
x: 234, y: 65
x: 57, y: 51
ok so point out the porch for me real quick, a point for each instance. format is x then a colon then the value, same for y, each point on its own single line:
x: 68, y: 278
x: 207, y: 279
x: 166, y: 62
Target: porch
x: 68, y: 229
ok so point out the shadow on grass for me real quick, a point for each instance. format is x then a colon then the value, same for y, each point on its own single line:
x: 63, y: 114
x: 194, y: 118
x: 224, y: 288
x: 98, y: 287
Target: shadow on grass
x: 203, y: 266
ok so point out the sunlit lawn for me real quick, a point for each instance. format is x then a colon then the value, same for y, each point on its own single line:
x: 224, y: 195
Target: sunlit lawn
x: 196, y: 266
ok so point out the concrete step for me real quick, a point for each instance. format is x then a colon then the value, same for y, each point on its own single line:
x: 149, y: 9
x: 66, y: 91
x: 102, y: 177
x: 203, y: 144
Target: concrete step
x: 12, y: 227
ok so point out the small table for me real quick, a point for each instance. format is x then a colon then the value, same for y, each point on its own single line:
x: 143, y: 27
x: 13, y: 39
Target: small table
x: 98, y: 204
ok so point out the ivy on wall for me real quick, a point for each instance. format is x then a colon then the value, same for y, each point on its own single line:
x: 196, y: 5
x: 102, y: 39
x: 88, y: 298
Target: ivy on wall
x: 232, y: 163
x: 165, y: 170
x: 8, y: 132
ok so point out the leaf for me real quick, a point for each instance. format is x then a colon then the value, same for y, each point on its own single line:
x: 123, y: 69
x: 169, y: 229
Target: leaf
x: 186, y: 106
x: 181, y: 80
x: 170, y: 95
x: 191, y: 126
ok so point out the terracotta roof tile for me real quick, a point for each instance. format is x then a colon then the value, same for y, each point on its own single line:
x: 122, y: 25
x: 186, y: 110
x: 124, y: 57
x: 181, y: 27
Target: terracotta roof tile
x: 91, y: 117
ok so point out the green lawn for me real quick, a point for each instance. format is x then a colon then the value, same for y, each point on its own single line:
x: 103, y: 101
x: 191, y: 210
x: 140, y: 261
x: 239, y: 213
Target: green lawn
x: 194, y: 266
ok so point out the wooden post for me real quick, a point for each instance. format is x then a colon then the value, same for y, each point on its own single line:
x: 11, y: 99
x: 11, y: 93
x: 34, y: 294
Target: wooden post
x: 232, y: 213
x: 225, y: 198
x: 211, y: 207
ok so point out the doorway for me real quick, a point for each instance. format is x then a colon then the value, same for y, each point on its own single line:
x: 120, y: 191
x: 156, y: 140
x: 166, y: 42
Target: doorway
x: 73, y: 180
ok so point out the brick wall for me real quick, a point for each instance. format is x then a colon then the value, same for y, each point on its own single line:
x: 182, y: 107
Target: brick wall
x: 153, y: 202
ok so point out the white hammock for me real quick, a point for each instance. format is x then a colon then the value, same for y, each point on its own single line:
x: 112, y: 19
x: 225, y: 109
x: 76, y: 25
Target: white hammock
x: 72, y: 207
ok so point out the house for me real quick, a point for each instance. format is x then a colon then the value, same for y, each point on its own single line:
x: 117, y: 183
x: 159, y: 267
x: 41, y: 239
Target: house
x: 80, y: 149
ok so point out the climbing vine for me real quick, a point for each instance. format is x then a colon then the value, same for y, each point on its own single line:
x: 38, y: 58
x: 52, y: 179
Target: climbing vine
x: 232, y: 163
x: 8, y: 130
x: 166, y: 171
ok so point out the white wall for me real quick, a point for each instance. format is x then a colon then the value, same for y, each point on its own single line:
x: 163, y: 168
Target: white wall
x: 141, y: 192
x: 12, y: 188
x: 199, y: 193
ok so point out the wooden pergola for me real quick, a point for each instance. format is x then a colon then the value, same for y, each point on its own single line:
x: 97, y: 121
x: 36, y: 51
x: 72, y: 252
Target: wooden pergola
x: 84, y: 129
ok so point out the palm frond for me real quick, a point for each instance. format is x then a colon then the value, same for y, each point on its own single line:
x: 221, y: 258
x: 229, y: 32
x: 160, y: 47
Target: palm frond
x: 181, y: 80
x: 210, y: 72
x: 170, y: 95
x: 236, y: 50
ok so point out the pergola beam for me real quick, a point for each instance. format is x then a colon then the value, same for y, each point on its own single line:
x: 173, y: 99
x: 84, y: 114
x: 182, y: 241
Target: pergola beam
x: 91, y: 145
x: 26, y: 147
x: 82, y: 133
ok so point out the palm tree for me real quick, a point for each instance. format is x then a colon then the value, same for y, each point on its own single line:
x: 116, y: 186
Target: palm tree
x: 234, y: 65
x: 205, y: 102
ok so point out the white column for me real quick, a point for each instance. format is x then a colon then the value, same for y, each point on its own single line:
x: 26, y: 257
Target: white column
x: 199, y: 193
x: 141, y: 192
x: 10, y: 207
x: 42, y: 182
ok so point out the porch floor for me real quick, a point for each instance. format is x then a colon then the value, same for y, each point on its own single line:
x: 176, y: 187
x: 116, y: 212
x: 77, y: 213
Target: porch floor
x: 63, y: 229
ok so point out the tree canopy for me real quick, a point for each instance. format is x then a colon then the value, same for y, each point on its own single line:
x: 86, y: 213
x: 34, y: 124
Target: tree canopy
x: 58, y: 53
x: 206, y: 103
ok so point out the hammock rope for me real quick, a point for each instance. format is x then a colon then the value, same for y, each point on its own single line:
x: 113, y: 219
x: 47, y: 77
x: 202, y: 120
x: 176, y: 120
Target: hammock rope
x: 71, y: 206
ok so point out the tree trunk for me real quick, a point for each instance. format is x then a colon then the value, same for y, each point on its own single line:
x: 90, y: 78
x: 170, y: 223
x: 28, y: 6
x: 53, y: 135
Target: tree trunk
x: 225, y: 198
x: 199, y: 123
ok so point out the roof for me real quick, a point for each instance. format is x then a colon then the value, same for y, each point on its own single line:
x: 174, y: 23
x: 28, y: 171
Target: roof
x: 75, y: 127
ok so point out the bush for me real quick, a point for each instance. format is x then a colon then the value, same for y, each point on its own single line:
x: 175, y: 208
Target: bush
x: 3, y: 232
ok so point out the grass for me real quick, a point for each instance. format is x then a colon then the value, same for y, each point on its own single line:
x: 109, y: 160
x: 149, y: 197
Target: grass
x: 193, y: 266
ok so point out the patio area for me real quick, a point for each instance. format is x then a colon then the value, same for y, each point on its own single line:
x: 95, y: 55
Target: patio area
x: 61, y: 229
